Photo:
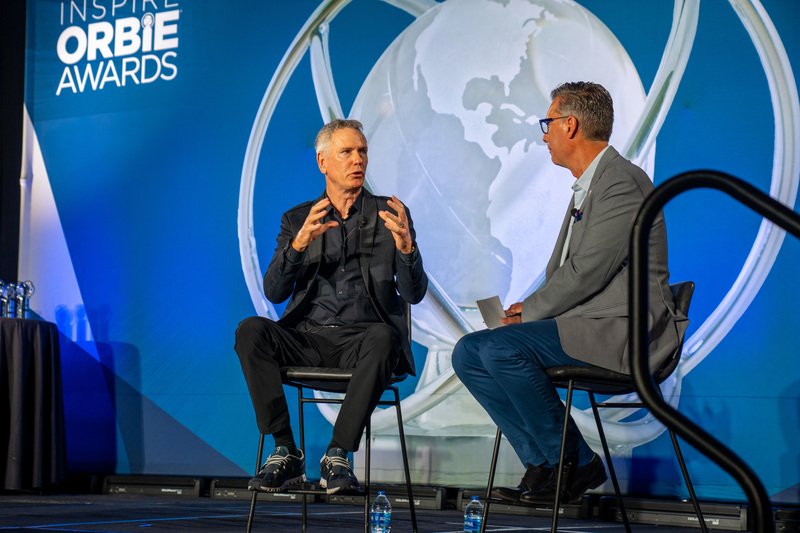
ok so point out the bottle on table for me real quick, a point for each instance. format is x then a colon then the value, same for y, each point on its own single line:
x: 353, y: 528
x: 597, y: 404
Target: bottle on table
x: 473, y: 515
x: 380, y: 516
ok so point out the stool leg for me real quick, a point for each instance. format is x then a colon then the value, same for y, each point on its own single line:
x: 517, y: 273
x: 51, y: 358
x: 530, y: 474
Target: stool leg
x: 559, y: 475
x: 610, y: 463
x: 252, y: 512
x: 688, y: 482
x: 405, y: 460
x: 492, y: 468
x: 366, y: 475
x: 300, y: 405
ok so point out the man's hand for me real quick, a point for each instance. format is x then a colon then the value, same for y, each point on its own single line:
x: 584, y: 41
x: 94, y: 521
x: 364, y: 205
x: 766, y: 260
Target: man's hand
x: 398, y: 225
x: 313, y: 227
x: 513, y: 314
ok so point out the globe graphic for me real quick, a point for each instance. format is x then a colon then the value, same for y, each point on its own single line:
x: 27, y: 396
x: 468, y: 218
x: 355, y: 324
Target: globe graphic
x: 450, y: 111
x: 459, y: 142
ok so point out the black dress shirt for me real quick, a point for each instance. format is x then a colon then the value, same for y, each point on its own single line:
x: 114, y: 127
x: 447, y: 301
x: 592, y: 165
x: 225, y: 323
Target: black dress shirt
x: 340, y: 296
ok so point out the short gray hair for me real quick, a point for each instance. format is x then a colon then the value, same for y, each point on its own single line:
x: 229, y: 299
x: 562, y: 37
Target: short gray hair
x: 591, y: 104
x: 324, y: 136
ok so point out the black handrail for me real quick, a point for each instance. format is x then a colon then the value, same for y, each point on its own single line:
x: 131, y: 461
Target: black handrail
x: 638, y: 340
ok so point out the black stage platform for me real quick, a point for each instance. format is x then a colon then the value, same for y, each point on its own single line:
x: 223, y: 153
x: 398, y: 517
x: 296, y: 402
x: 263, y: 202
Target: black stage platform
x: 127, y: 513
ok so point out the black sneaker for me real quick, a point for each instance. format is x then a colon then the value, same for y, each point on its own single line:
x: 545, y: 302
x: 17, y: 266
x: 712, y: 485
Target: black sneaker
x: 281, y: 471
x: 335, y: 472
x: 535, y: 476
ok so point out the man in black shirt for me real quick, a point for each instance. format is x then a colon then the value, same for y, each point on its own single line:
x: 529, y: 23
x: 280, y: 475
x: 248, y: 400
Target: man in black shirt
x: 348, y: 261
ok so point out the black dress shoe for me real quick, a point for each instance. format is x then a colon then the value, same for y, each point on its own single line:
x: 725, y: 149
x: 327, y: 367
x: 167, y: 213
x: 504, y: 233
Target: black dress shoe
x: 575, y: 481
x: 534, y: 477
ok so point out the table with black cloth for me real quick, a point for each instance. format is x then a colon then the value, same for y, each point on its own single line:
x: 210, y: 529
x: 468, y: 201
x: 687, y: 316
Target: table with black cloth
x: 32, y: 442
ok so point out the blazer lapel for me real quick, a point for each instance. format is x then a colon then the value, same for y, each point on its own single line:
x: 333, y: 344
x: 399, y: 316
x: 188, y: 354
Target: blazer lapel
x: 366, y: 233
x: 314, y: 251
x: 610, y: 154
x: 555, y: 258
x: 577, y: 226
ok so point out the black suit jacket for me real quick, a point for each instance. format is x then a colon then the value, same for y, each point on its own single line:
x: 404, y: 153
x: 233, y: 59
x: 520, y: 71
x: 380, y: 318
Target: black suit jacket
x: 391, y: 278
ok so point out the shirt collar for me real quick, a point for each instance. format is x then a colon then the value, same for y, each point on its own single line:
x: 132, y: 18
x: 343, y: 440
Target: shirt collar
x: 354, y: 209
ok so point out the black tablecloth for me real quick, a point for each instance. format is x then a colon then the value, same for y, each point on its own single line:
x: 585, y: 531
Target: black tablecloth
x: 32, y: 442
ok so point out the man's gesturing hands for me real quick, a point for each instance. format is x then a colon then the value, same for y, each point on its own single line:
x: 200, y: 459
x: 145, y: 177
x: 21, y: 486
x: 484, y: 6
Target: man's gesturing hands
x: 313, y: 227
x: 398, y: 225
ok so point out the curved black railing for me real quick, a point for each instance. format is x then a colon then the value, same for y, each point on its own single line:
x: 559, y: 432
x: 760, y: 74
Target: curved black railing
x: 638, y: 341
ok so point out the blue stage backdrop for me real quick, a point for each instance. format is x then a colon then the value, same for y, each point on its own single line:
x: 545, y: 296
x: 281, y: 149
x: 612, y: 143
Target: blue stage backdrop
x: 164, y: 138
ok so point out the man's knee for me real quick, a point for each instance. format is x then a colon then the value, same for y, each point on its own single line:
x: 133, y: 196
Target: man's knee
x: 464, y: 350
x: 254, y: 330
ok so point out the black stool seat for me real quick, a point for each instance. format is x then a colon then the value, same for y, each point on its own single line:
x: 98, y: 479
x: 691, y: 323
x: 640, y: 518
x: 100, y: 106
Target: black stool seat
x: 323, y: 378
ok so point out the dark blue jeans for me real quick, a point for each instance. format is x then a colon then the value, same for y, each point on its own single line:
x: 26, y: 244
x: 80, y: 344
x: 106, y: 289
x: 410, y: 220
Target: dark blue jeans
x: 504, y: 369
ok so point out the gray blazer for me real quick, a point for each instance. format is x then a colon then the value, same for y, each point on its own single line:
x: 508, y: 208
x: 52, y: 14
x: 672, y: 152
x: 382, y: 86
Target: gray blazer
x: 588, y: 294
x: 390, y: 278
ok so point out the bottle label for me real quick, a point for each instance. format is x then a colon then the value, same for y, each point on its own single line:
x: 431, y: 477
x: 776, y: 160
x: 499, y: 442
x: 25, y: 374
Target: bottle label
x: 381, y: 521
x: 472, y: 523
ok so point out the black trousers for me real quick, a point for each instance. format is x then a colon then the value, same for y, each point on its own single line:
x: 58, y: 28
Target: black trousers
x: 264, y: 346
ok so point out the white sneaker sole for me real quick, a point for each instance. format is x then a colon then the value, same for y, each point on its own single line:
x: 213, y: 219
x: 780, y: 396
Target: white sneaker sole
x: 333, y: 490
x: 286, y: 484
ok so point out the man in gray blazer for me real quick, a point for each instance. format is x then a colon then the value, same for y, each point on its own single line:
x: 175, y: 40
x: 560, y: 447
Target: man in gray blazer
x: 348, y: 262
x: 580, y: 315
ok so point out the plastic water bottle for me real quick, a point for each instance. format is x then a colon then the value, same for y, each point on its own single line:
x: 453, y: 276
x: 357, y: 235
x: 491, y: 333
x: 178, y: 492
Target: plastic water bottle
x: 473, y: 515
x: 380, y: 516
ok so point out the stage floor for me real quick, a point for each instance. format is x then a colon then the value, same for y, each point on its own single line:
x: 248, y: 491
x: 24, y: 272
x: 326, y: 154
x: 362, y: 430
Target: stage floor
x: 124, y: 513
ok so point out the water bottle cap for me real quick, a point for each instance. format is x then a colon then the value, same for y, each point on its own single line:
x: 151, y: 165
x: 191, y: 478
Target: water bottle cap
x: 475, y: 498
x: 381, y: 492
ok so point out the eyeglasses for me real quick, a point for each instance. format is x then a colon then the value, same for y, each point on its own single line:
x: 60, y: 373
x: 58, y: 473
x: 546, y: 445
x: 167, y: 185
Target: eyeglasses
x: 545, y: 122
